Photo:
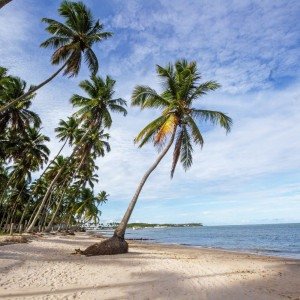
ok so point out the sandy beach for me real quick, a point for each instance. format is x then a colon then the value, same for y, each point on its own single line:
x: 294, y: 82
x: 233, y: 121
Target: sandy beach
x: 45, y: 269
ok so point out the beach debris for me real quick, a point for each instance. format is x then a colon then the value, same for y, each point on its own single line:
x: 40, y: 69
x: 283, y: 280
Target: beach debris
x: 14, y: 239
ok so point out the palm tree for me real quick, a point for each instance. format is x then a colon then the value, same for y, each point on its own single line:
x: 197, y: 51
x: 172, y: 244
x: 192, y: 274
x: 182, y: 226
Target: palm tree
x: 67, y: 132
x: 55, y: 172
x: 17, y: 117
x: 93, y: 112
x: 4, y: 2
x: 87, y: 208
x: 31, y: 156
x: 177, y: 125
x: 94, y: 144
x: 3, y: 74
x: 72, y: 41
x: 178, y: 120
x: 95, y: 109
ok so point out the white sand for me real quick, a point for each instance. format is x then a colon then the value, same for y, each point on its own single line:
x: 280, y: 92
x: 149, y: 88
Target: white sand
x: 44, y: 269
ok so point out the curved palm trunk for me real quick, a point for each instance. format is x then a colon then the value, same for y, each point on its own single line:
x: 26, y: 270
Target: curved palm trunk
x: 45, y: 212
x: 48, y: 228
x: 55, y: 157
x: 31, y: 91
x: 31, y: 216
x: 120, y: 230
x: 4, y: 2
x: 49, y: 190
x: 30, y: 227
x: 28, y: 202
x: 6, y: 187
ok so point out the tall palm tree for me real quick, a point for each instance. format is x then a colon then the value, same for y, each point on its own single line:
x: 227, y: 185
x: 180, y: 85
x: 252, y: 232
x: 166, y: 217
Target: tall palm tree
x: 177, y: 125
x: 30, y: 156
x: 4, y: 2
x: 72, y: 40
x: 178, y: 121
x: 17, y: 117
x: 94, y: 144
x: 95, y: 109
x: 92, y: 112
x: 55, y: 172
x: 87, y: 208
x: 3, y: 74
x: 67, y: 131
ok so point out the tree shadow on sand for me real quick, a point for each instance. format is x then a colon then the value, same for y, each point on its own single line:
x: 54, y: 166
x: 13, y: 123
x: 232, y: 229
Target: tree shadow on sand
x: 173, y: 285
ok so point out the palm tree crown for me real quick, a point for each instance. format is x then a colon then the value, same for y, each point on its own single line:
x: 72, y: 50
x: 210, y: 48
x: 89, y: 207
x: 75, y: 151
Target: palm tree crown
x: 95, y: 109
x: 75, y: 37
x: 179, y: 116
x: 67, y: 130
x: 18, y: 117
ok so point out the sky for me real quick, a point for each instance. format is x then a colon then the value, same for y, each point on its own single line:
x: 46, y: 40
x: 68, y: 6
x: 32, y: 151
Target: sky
x: 251, y: 175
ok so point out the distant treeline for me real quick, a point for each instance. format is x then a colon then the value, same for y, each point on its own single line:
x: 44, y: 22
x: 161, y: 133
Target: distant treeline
x: 152, y: 225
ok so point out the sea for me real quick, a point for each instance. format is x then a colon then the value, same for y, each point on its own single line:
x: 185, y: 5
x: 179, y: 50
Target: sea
x: 269, y: 239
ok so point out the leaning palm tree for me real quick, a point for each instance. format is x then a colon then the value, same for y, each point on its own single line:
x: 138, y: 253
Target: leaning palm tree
x: 3, y: 74
x: 177, y: 125
x: 18, y: 117
x: 93, y: 112
x: 72, y: 41
x: 67, y: 131
x: 4, y: 2
x: 30, y: 157
x: 55, y: 172
x: 94, y: 109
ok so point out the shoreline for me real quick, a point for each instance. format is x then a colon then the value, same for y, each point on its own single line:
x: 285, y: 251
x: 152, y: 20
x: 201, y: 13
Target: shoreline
x: 152, y: 241
x: 45, y: 269
x: 231, y: 251
x: 214, y: 249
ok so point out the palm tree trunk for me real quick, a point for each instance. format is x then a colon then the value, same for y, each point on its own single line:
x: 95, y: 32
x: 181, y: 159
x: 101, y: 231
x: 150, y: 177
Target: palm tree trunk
x: 50, y: 163
x: 6, y: 187
x: 4, y: 2
x: 45, y: 212
x: 55, y: 157
x: 31, y: 91
x: 120, y: 230
x: 48, y: 228
x: 30, y: 227
x: 5, y: 212
x: 31, y: 217
x: 49, y: 190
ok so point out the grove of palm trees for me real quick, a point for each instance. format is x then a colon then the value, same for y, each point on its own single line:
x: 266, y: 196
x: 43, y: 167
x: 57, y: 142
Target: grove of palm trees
x: 42, y: 191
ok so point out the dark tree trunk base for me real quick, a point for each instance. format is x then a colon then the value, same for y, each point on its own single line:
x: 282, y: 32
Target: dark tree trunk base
x: 111, y: 246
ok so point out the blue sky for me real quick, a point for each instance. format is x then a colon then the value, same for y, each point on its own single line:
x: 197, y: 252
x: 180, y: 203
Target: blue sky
x: 251, y: 175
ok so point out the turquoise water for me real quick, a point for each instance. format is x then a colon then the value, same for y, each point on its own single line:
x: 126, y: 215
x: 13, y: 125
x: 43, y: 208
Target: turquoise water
x: 276, y: 239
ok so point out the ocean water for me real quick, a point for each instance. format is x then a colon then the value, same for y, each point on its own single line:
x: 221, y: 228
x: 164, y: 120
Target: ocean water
x: 274, y: 239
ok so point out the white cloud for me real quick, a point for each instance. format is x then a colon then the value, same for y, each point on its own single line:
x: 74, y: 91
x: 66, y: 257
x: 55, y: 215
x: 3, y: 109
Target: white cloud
x: 246, y: 46
x: 264, y: 141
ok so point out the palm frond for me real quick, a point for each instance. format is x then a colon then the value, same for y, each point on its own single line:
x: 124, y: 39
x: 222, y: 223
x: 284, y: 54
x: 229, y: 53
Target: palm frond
x: 215, y: 117
x: 176, y: 152
x: 186, y: 157
x: 146, y: 97
x: 196, y: 134
x: 166, y: 128
x: 202, y: 89
x: 148, y: 132
x: 91, y: 60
